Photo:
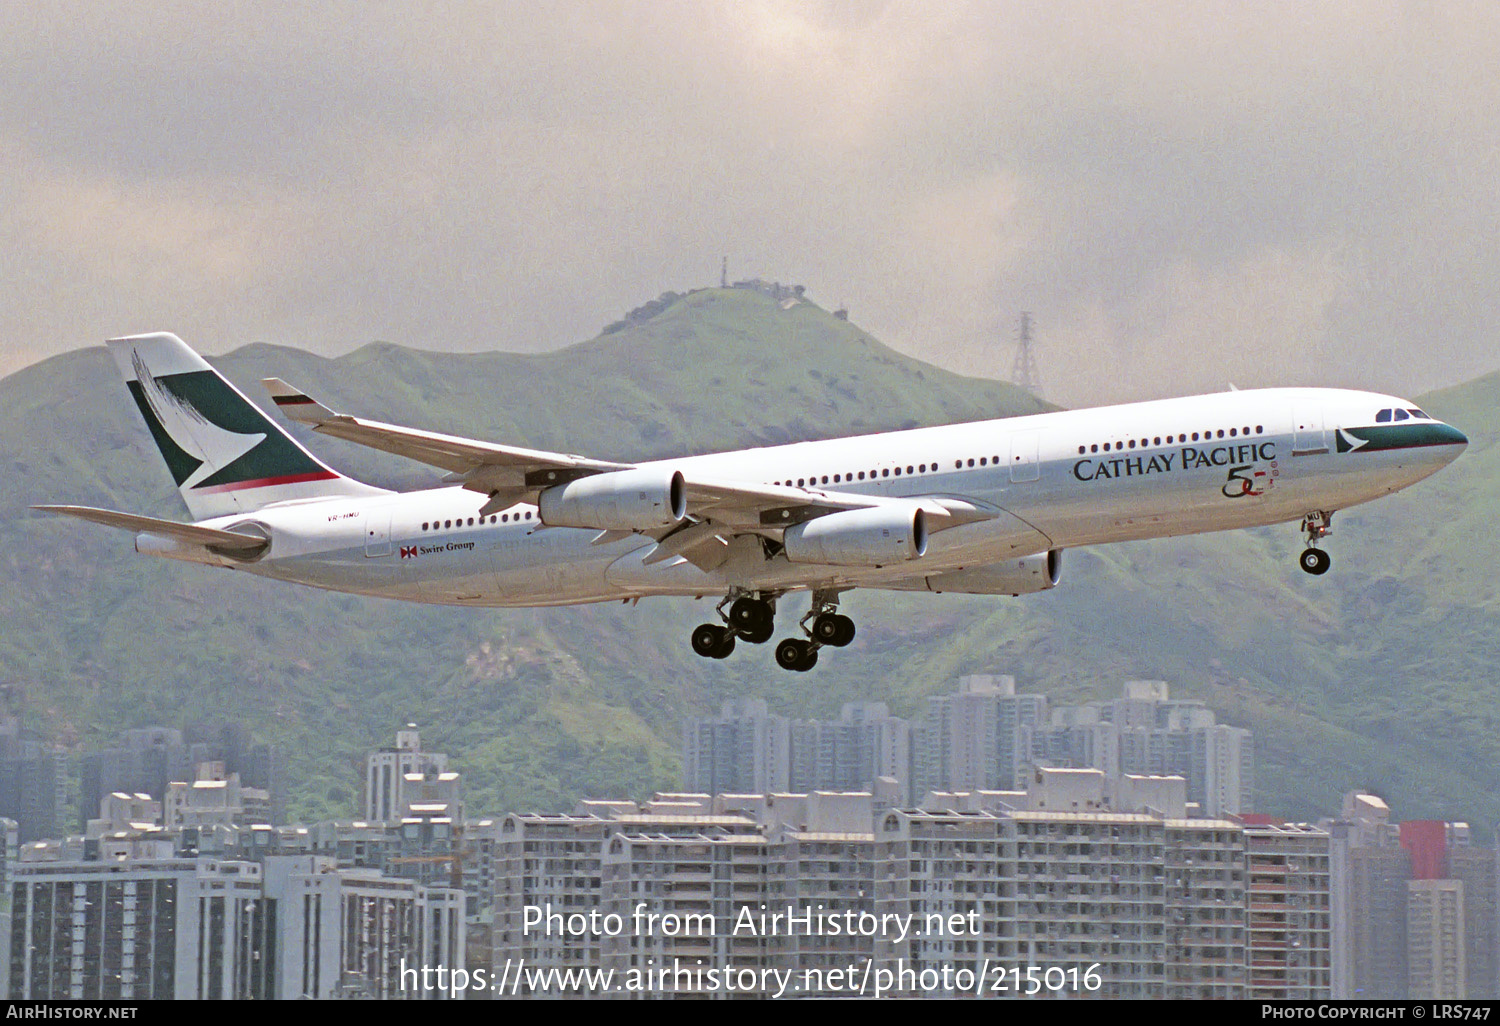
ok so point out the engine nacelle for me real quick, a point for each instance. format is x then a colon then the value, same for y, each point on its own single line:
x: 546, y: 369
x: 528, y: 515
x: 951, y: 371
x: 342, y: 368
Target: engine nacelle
x: 622, y: 500
x: 859, y: 537
x: 1038, y: 572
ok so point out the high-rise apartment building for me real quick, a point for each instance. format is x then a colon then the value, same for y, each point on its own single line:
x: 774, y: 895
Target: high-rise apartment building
x: 1107, y: 883
x: 1415, y: 913
x: 148, y: 760
x: 203, y: 928
x: 984, y: 737
x: 394, y: 776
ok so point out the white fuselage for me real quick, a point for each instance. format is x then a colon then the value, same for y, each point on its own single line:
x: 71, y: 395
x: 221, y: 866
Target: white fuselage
x: 1051, y: 481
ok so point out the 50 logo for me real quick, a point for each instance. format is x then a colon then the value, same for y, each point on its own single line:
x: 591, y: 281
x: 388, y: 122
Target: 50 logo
x: 1245, y: 480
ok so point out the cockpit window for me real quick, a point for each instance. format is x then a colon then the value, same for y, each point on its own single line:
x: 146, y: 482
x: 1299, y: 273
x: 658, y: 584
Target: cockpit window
x: 1419, y: 414
x: 1402, y: 415
x: 1383, y: 417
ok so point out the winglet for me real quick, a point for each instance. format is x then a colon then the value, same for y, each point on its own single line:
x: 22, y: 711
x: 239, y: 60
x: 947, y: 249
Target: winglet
x: 296, y: 404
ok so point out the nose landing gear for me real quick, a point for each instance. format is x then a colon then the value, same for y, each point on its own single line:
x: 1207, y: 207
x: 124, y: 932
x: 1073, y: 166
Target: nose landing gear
x: 1316, y: 525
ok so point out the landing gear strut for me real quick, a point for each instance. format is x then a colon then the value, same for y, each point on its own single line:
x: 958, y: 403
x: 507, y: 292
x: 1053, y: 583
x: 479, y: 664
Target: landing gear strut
x: 1316, y: 525
x: 829, y: 627
x: 750, y: 617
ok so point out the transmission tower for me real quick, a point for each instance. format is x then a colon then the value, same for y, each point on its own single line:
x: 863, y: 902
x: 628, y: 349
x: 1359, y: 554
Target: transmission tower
x: 1023, y: 372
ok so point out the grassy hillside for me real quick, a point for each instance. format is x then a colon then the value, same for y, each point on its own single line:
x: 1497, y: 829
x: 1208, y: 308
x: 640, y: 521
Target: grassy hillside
x: 1378, y: 675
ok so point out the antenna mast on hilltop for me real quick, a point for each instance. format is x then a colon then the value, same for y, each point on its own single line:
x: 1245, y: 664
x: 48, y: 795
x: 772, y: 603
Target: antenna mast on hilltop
x: 1023, y: 372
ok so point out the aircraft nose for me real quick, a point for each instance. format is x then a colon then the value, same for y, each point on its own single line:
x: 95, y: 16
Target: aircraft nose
x: 1450, y: 436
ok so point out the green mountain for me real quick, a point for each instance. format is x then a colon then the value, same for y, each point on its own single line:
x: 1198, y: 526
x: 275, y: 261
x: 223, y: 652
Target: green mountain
x: 1377, y: 675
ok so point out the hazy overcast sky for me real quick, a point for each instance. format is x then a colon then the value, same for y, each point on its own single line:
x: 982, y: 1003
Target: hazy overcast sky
x: 1181, y: 194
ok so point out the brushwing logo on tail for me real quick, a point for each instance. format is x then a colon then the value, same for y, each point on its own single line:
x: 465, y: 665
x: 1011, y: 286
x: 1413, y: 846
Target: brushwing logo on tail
x: 191, y: 431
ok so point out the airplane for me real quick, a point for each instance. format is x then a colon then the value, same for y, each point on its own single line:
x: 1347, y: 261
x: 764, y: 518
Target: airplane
x: 982, y: 508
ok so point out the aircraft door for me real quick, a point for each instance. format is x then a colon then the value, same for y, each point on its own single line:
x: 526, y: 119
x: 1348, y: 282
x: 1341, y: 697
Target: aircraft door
x: 1023, y: 456
x: 378, y: 533
x: 1309, y: 437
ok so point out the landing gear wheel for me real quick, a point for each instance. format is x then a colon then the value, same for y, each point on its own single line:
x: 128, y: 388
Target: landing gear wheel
x: 1315, y: 561
x: 796, y: 654
x: 749, y: 615
x: 758, y: 635
x: 712, y: 641
x: 833, y: 629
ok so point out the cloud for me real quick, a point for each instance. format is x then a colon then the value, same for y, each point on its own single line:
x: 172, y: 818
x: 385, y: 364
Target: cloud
x: 1283, y: 193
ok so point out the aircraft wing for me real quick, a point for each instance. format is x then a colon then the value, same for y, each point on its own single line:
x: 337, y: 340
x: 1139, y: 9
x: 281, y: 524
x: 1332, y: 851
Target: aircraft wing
x: 751, y: 506
x: 717, y: 509
x: 211, y: 537
x: 506, y: 472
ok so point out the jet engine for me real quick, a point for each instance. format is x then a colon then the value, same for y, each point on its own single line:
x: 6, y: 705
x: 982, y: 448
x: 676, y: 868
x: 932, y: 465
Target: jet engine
x: 859, y: 537
x: 1037, y: 572
x: 622, y: 500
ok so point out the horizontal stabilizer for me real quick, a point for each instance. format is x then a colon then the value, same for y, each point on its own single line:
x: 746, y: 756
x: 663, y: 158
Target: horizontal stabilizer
x: 209, y: 537
x: 296, y: 404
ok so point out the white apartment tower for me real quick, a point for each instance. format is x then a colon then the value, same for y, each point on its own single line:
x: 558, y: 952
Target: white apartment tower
x: 388, y: 772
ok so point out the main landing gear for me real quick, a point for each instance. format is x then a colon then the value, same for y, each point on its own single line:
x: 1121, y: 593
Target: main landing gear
x: 829, y: 627
x: 753, y: 618
x: 1316, y: 525
x: 750, y: 617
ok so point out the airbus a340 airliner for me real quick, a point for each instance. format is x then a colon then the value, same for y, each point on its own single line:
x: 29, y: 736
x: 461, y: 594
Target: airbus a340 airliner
x: 983, y: 508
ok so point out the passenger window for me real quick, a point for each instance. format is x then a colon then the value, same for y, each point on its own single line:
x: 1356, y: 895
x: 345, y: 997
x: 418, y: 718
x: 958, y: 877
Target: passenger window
x: 1132, y: 443
x: 1093, y: 448
x: 885, y: 473
x: 1383, y: 417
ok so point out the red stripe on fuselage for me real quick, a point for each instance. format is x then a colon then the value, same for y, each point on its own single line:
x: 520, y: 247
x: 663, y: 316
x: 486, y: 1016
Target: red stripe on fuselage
x: 269, y: 482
